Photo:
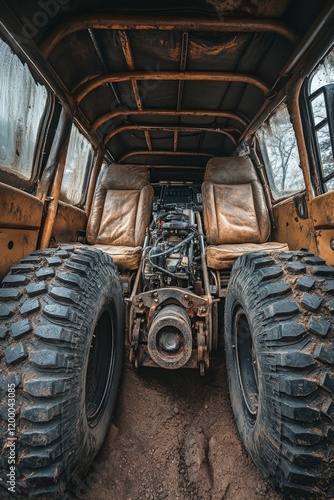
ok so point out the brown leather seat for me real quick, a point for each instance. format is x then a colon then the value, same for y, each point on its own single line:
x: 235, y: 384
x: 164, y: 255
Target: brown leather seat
x: 120, y: 214
x: 236, y: 218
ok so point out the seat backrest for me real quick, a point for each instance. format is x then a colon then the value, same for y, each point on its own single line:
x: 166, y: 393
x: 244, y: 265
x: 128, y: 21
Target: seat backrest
x: 234, y: 205
x: 121, y: 208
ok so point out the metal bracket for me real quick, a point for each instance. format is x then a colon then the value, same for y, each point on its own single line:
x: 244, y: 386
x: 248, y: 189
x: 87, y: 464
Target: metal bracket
x: 202, y: 348
x: 135, y: 341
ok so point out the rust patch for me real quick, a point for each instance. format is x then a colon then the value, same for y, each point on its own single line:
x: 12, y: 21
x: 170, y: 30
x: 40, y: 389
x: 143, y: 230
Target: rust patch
x: 198, y: 50
x: 174, y: 52
x: 270, y: 8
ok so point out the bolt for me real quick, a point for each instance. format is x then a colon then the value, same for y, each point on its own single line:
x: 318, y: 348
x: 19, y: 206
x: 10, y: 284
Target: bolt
x: 140, y: 299
x: 154, y: 294
x: 156, y: 300
x: 186, y: 296
x: 331, y: 243
x: 204, y: 309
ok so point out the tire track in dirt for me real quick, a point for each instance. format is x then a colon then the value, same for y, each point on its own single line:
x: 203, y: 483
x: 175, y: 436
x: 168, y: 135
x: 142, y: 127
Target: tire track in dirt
x: 173, y: 437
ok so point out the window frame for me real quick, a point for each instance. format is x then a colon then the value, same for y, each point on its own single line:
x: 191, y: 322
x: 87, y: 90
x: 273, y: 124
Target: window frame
x: 13, y: 178
x: 263, y: 154
x: 87, y: 174
x: 310, y: 128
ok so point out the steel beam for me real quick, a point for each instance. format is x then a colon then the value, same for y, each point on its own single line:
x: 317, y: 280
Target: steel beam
x: 172, y: 128
x: 161, y: 153
x: 126, y: 47
x: 117, y: 22
x: 211, y: 76
x: 167, y: 112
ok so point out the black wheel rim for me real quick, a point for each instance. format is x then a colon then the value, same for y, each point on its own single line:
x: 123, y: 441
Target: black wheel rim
x: 246, y: 364
x: 100, y: 367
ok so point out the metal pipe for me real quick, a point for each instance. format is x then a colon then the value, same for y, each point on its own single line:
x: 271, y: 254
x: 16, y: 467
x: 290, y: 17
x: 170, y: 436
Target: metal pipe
x: 203, y: 259
x: 93, y: 180
x: 324, y: 17
x: 183, y: 66
x: 102, y: 63
x: 117, y: 22
x: 210, y: 76
x: 125, y: 43
x: 167, y: 112
x: 164, y: 153
x: 172, y: 128
x: 61, y: 134
x: 54, y: 196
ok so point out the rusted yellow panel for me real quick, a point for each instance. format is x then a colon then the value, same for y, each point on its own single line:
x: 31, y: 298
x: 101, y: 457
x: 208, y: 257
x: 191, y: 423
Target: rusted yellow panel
x: 322, y: 208
x: 323, y: 239
x: 14, y: 245
x: 296, y: 232
x: 19, y: 209
x: 68, y: 222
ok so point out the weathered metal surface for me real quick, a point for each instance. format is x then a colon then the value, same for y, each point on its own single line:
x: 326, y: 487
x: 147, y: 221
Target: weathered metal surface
x: 144, y: 359
x: 11, y: 29
x: 125, y: 43
x: 325, y: 244
x: 19, y: 209
x: 193, y: 304
x: 173, y: 128
x: 69, y: 220
x: 183, y: 67
x: 324, y: 18
x: 114, y: 22
x: 147, y: 312
x: 322, y: 210
x: 296, y: 232
x: 167, y: 112
x: 15, y: 244
x: 258, y: 8
x: 202, y: 348
x: 177, y: 318
x: 93, y: 180
x: 199, y: 76
x: 322, y: 213
x: 54, y: 199
x: 60, y: 137
x: 130, y: 154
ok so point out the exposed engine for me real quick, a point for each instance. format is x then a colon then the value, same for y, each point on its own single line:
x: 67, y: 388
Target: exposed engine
x: 172, y: 257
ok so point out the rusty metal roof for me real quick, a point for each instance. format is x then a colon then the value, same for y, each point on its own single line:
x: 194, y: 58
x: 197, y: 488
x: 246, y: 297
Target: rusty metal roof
x: 169, y: 82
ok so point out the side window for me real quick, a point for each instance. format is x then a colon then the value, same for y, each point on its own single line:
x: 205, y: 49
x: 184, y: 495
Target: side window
x: 78, y: 165
x: 278, y: 145
x: 320, y: 101
x: 23, y: 111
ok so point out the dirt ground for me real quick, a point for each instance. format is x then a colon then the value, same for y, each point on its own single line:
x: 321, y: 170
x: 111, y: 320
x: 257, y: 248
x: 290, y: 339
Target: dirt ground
x: 173, y: 437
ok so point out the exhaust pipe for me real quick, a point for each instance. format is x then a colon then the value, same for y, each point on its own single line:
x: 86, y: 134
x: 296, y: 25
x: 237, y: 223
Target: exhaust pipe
x: 170, y: 338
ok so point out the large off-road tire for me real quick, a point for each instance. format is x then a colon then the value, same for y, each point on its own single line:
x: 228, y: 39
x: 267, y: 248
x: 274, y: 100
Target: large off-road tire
x: 61, y: 344
x: 279, y: 340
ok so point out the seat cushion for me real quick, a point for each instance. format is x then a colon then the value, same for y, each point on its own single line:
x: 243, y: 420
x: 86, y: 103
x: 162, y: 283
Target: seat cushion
x: 223, y: 256
x: 234, y: 205
x: 121, y: 208
x: 124, y: 257
x: 127, y: 258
